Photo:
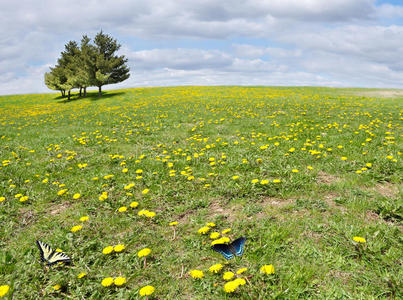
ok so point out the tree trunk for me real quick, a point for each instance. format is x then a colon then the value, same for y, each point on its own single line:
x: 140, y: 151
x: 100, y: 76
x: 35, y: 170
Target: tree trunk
x: 68, y: 97
x: 63, y: 93
x: 80, y: 90
x: 99, y: 91
x: 85, y: 91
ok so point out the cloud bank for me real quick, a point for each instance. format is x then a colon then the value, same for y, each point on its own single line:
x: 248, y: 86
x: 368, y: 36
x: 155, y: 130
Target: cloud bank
x: 182, y: 42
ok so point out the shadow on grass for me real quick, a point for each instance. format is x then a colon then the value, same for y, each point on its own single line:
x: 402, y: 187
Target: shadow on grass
x: 93, y: 96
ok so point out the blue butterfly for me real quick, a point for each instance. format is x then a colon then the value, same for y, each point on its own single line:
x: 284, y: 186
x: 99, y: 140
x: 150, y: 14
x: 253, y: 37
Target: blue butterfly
x: 229, y: 250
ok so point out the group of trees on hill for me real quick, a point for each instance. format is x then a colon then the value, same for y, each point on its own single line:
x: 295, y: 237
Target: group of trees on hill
x: 88, y: 64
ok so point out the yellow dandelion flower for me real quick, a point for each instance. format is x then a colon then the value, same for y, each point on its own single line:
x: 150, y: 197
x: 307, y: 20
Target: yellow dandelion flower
x: 214, y: 235
x: 119, y: 248
x: 240, y: 281
x: 76, y: 196
x: 210, y: 224
x: 144, y: 252
x: 122, y: 209
x: 196, y: 274
x: 343, y: 158
x: 107, y: 250
x: 235, y: 177
x: 267, y: 269
x: 76, y: 228
x: 83, y: 219
x: 145, y: 191
x: 108, y: 281
x: 146, y: 290
x: 231, y: 286
x: 215, y: 268
x: 125, y: 170
x: 204, y: 230
x: 4, y: 290
x: 276, y: 180
x: 255, y: 180
x: 134, y: 204
x: 294, y: 171
x: 226, y: 231
x: 359, y: 239
x: 61, y: 192
x: 119, y: 281
x: 174, y: 223
x: 81, y: 275
x: 242, y: 270
x: 56, y: 287
x: 264, y: 181
x: 228, y: 275
x: 23, y: 198
x: 2, y: 199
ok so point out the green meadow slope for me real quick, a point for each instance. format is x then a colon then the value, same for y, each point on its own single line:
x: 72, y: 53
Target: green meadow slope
x: 312, y: 177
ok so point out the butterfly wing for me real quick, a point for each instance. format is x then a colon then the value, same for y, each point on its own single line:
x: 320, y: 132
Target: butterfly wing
x: 238, y: 246
x: 45, y: 250
x: 51, y: 256
x: 58, y: 257
x: 224, y: 250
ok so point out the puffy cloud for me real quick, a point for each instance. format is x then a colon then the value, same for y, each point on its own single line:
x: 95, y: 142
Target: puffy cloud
x: 347, y: 42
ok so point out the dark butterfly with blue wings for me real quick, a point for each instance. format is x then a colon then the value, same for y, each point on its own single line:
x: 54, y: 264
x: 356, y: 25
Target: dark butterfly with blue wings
x: 230, y: 250
x: 51, y: 256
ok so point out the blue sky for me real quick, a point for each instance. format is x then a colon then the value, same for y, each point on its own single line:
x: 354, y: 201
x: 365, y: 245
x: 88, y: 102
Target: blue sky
x: 340, y: 43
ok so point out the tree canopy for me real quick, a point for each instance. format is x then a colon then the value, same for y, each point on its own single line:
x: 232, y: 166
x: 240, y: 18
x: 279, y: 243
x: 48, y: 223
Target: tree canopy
x: 88, y: 64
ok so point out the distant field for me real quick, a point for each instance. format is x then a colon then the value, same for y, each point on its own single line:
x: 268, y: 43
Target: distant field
x: 299, y: 172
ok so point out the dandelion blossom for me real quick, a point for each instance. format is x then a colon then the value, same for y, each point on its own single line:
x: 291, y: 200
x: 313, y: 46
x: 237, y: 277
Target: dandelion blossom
x: 146, y: 290
x: 214, y: 235
x: 204, y: 230
x: 122, y: 209
x: 119, y: 248
x: 196, y: 274
x: 76, y: 228
x: 107, y: 250
x: 81, y: 275
x: 83, y: 219
x: 174, y: 223
x: 267, y: 269
x: 119, y: 281
x: 231, y: 286
x: 215, y: 268
x: 4, y: 290
x: 144, y: 252
x: 242, y: 270
x: 108, y: 281
x: 359, y: 239
x: 228, y: 275
x: 134, y: 204
x: 76, y: 196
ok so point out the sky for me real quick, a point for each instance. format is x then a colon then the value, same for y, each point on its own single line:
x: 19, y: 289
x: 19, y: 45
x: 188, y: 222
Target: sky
x: 337, y: 43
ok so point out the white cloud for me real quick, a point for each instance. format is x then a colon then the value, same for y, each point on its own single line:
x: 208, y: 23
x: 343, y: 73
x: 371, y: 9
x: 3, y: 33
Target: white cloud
x: 347, y: 42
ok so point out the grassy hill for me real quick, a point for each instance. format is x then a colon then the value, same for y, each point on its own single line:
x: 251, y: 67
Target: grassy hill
x: 300, y: 172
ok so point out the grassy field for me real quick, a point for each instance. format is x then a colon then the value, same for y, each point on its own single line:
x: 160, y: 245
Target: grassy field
x: 299, y: 172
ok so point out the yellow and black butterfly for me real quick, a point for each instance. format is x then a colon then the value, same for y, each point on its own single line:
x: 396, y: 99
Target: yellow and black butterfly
x: 51, y: 256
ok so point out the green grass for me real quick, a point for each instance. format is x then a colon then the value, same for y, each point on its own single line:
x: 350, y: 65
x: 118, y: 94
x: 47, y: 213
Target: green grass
x: 303, y: 225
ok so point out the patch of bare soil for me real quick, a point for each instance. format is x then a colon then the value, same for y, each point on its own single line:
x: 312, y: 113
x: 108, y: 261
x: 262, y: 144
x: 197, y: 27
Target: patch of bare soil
x: 229, y: 212
x: 387, y: 189
x: 325, y: 178
x: 27, y: 217
x: 59, y: 208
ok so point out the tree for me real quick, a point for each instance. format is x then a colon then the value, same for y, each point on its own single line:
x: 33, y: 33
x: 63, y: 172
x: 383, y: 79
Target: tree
x: 107, y: 67
x: 55, y: 79
x: 87, y: 64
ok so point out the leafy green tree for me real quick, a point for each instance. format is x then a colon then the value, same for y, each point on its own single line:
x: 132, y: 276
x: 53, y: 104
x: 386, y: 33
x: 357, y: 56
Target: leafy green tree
x: 55, y: 79
x: 87, y: 64
x: 107, y: 67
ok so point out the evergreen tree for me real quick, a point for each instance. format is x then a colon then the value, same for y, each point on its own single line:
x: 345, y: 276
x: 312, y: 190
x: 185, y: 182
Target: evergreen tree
x: 88, y: 65
x: 107, y: 67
